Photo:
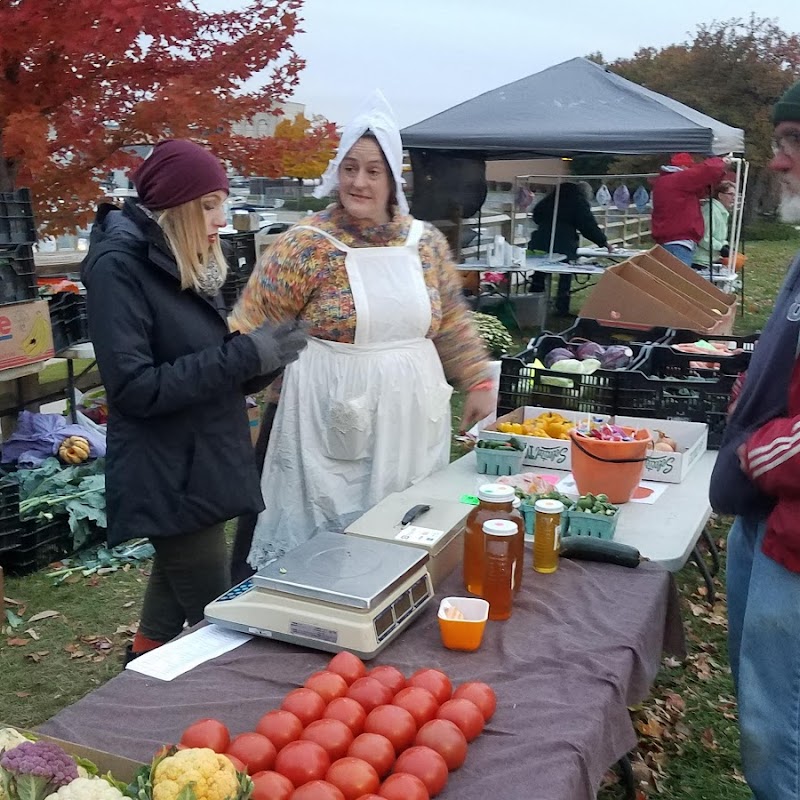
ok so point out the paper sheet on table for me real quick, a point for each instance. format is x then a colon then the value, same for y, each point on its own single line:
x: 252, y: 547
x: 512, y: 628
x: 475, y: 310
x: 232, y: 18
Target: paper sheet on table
x: 187, y: 652
x: 654, y: 490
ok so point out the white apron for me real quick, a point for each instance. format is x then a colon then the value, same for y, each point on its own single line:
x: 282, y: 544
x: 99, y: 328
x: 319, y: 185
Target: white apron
x: 356, y: 422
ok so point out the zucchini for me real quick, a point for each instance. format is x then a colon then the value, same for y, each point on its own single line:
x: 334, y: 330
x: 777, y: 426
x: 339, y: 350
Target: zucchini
x: 590, y: 548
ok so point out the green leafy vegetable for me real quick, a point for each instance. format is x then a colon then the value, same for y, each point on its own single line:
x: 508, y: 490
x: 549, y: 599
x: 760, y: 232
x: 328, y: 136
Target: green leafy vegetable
x: 77, y: 492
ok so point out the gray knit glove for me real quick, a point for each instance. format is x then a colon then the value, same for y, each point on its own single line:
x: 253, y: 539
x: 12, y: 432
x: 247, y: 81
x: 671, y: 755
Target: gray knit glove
x: 278, y: 345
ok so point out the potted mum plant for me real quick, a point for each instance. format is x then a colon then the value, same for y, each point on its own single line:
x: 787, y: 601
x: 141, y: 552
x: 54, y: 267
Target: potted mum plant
x: 494, y: 334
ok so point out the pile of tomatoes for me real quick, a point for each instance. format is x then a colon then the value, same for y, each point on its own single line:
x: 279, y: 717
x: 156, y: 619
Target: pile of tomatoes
x: 350, y: 734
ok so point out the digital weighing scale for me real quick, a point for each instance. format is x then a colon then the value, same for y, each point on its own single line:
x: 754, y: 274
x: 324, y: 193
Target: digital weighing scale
x: 333, y: 592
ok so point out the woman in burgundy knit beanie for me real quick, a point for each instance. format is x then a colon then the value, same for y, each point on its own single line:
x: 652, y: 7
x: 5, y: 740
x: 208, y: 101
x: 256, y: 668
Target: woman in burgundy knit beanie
x: 180, y: 460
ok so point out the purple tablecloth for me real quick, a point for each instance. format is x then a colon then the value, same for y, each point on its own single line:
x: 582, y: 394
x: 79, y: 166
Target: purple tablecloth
x: 582, y: 645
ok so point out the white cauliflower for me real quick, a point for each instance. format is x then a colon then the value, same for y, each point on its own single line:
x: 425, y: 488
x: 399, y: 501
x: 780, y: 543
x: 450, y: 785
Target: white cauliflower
x: 95, y: 788
x: 10, y: 737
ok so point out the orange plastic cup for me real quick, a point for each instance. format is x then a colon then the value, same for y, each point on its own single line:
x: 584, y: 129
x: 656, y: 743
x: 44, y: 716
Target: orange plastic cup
x: 467, y: 633
x: 610, y: 468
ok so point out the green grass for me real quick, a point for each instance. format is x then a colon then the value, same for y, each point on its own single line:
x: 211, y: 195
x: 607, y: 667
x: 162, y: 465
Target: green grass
x: 690, y: 754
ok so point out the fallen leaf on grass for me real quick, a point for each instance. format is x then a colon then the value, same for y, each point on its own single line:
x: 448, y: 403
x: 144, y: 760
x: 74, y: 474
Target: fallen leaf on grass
x: 674, y: 702
x: 128, y: 604
x: 708, y: 740
x: 652, y: 728
x: 22, y: 694
x: 32, y: 633
x: 44, y: 615
x: 17, y: 642
x: 74, y: 650
x: 672, y: 662
x: 737, y: 776
x: 14, y: 620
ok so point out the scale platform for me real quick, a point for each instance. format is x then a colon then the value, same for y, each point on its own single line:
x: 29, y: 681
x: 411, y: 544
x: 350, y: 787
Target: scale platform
x: 333, y: 592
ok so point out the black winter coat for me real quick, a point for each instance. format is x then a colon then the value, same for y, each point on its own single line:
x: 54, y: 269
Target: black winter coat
x: 179, y: 455
x: 574, y: 216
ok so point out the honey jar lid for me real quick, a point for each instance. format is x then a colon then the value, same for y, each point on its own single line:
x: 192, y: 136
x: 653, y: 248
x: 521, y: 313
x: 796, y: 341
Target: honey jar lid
x: 549, y: 506
x: 496, y: 493
x: 500, y: 527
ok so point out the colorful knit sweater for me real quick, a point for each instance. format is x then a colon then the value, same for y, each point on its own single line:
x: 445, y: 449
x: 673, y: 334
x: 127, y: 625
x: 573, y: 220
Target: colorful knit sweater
x: 303, y: 276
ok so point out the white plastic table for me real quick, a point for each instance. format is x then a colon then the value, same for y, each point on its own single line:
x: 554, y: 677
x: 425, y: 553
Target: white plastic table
x: 665, y: 532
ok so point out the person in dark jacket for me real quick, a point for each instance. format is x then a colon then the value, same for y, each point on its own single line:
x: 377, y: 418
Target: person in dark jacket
x: 179, y: 461
x: 757, y: 478
x: 573, y: 217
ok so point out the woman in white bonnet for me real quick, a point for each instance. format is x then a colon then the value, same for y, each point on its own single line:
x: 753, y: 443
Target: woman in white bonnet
x: 365, y: 411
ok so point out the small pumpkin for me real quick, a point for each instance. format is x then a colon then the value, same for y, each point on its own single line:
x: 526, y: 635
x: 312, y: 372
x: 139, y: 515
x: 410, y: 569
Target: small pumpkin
x: 74, y: 450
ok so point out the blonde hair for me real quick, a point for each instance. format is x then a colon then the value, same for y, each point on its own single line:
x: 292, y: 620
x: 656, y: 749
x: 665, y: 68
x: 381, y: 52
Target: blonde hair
x: 184, y: 227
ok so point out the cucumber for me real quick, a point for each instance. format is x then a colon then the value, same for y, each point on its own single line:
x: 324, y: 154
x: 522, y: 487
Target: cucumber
x: 589, y: 548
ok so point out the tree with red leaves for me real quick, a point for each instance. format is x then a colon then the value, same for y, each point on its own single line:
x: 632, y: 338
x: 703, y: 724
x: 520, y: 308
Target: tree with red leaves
x: 81, y: 81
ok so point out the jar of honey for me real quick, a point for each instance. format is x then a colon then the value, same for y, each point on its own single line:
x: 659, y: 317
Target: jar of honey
x: 547, y: 535
x: 500, y: 566
x: 496, y: 502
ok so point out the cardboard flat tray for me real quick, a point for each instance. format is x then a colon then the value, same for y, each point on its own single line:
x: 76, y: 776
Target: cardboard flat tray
x: 123, y: 769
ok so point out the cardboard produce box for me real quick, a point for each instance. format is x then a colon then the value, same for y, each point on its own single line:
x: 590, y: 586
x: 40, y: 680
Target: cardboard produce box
x: 123, y: 769
x: 657, y: 289
x: 25, y: 334
x: 543, y: 453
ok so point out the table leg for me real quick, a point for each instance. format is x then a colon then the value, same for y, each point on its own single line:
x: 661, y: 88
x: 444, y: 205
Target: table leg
x: 712, y: 549
x: 73, y: 411
x: 697, y: 557
x: 626, y: 773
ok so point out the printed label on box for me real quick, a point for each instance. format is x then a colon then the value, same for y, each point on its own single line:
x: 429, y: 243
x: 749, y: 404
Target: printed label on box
x: 414, y: 534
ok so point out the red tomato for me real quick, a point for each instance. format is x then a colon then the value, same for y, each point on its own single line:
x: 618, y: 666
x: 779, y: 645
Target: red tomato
x: 419, y: 702
x: 302, y: 762
x: 331, y: 734
x: 369, y: 797
x: 393, y: 722
x: 348, y: 711
x: 481, y: 694
x: 446, y: 739
x: 353, y: 777
x: 271, y: 786
x: 402, y: 786
x: 255, y: 751
x: 465, y: 714
x: 427, y: 765
x: 374, y: 749
x: 436, y: 682
x: 280, y: 727
x: 389, y: 676
x: 328, y: 685
x: 305, y: 704
x: 207, y: 733
x: 370, y: 693
x: 237, y: 762
x: 317, y: 790
x: 349, y: 666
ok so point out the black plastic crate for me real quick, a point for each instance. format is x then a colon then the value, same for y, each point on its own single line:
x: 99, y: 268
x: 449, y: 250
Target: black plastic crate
x: 17, y: 274
x: 16, y: 218
x: 523, y: 385
x: 595, y: 331
x: 668, y: 387
x: 240, y: 251
x: 68, y: 320
x: 11, y: 528
x: 40, y: 544
x: 232, y: 288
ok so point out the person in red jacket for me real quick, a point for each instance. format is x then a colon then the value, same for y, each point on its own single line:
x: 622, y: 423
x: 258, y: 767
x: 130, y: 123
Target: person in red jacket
x: 757, y: 478
x: 677, y: 221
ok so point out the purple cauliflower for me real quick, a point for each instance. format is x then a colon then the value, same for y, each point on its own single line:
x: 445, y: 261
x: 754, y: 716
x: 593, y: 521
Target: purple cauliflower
x: 32, y: 770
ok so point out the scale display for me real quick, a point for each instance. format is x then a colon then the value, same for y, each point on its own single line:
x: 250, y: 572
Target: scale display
x: 332, y: 593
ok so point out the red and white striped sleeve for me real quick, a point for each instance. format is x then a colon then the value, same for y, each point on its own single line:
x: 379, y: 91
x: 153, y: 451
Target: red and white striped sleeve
x: 771, y: 456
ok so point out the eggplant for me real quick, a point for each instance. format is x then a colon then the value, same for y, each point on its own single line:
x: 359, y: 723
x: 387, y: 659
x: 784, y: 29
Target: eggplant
x: 590, y: 548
